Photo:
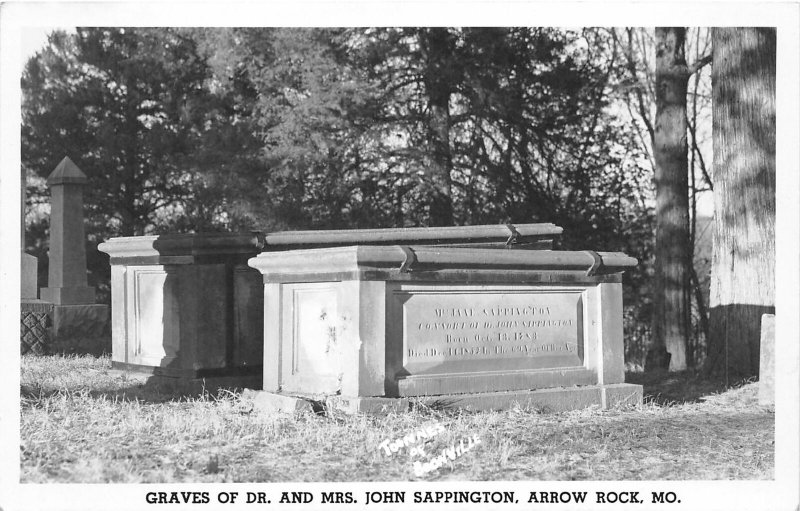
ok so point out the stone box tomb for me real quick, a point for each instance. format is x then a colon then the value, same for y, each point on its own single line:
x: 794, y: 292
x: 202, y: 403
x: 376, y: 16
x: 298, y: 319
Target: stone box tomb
x: 187, y: 307
x: 367, y: 327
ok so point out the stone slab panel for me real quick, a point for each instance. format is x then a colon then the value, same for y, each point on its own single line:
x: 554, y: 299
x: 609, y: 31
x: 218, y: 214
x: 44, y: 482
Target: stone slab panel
x: 248, y: 317
x: 311, y: 354
x: 68, y: 295
x: 622, y: 394
x: 481, y: 381
x: 91, y: 320
x: 80, y: 329
x: 611, y: 334
x: 447, y: 330
x: 553, y: 400
x: 368, y: 341
x: 153, y: 316
x: 205, y: 302
x: 120, y: 318
x: 544, y: 400
x: 28, y: 276
x: 370, y: 405
x: 766, y: 378
x: 268, y: 402
x: 454, y: 339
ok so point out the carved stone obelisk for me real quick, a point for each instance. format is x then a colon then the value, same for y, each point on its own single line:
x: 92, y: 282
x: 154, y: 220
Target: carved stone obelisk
x: 79, y: 325
x: 66, y: 284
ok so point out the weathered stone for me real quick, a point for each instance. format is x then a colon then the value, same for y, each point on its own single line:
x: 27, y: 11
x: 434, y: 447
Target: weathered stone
x: 548, y: 400
x: 397, y: 322
x: 66, y: 283
x: 35, y: 323
x: 766, y: 378
x: 29, y: 288
x: 621, y: 394
x: 525, y: 236
x: 80, y: 329
x: 187, y: 306
x: 28, y: 277
x: 268, y: 402
x: 370, y: 405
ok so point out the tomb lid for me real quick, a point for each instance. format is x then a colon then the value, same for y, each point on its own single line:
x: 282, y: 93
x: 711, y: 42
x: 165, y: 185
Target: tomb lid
x: 502, y: 234
x: 409, y: 260
x: 191, y: 245
x: 66, y: 173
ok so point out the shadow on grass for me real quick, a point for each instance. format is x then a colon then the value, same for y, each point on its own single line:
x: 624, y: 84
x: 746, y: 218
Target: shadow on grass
x: 143, y: 394
x: 666, y: 388
x: 93, y: 376
x: 103, y: 383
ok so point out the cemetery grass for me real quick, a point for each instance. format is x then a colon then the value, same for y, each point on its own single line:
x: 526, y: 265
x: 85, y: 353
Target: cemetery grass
x: 80, y: 423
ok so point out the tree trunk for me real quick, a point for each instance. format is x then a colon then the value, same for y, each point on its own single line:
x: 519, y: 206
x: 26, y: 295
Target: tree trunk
x: 439, y: 82
x: 743, y: 261
x: 671, y: 293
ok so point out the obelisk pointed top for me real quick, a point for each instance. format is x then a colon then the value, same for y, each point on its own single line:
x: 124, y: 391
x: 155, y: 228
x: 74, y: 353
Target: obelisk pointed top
x: 66, y: 173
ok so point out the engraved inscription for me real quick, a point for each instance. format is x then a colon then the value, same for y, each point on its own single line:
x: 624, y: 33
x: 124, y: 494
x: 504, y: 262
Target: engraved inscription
x: 462, y: 331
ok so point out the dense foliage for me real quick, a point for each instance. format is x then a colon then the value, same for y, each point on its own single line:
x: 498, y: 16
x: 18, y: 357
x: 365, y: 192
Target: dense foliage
x: 240, y: 128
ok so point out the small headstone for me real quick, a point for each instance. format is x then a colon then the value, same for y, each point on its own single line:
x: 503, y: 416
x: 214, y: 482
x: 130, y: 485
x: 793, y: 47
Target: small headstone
x: 35, y: 315
x: 28, y: 263
x: 766, y: 379
x: 28, y: 275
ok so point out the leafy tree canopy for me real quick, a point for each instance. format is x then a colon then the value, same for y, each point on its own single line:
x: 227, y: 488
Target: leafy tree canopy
x: 198, y: 129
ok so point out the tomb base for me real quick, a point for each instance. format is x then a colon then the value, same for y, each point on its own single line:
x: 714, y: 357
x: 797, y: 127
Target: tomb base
x: 35, y: 322
x: 80, y: 329
x: 551, y: 400
x: 269, y: 402
x: 143, y: 377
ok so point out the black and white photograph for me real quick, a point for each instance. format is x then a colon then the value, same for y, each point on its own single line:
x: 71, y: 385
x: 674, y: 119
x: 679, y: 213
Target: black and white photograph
x: 386, y: 255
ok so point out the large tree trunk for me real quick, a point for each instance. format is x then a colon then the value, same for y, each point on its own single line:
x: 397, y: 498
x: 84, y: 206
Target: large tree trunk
x: 440, y: 77
x: 743, y: 263
x: 671, y: 323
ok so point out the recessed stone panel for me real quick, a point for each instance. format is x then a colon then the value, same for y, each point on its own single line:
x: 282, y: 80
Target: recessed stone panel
x: 446, y: 330
x: 248, y: 317
x: 155, y: 316
x: 312, y: 350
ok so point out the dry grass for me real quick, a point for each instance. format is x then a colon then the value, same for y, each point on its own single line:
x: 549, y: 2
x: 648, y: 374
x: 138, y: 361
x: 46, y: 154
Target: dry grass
x: 80, y: 423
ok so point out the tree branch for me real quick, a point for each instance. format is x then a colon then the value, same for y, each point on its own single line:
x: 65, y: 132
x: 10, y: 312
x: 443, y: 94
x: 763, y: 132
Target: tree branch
x: 698, y: 65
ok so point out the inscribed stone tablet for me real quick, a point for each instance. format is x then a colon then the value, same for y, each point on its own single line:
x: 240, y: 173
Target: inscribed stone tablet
x: 452, y: 331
